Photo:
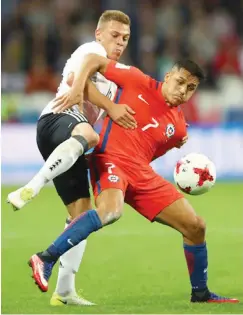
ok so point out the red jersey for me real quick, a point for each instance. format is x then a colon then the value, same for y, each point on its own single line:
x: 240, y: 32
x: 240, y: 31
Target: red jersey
x: 160, y: 126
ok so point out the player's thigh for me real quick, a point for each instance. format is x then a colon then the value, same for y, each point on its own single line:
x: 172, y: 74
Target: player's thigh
x: 53, y: 129
x: 109, y: 185
x: 73, y: 188
x: 181, y: 216
x: 152, y: 195
x: 105, y: 173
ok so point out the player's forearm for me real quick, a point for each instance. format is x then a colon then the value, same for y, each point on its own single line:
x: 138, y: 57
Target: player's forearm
x: 92, y: 63
x: 97, y: 98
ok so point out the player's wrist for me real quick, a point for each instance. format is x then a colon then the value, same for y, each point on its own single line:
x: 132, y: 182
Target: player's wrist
x: 107, y: 105
x: 78, y: 86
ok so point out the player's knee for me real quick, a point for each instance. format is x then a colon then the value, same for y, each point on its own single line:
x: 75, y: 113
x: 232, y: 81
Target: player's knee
x: 197, y: 230
x: 88, y: 133
x: 110, y: 205
x: 110, y: 214
x: 95, y: 138
x: 92, y: 138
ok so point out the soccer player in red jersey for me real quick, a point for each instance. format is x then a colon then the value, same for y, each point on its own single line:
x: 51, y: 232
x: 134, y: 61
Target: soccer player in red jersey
x: 120, y: 170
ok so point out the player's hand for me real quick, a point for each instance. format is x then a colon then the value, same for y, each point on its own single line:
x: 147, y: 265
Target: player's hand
x: 67, y: 100
x: 122, y: 115
x: 70, y: 98
x: 182, y: 142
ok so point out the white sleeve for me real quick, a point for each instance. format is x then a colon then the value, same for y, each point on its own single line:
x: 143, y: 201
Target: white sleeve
x: 78, y: 56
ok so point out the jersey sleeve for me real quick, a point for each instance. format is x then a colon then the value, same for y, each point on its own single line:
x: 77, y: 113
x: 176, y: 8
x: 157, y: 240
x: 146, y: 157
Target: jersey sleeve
x: 80, y: 53
x: 122, y: 74
x: 161, y: 151
x: 91, y: 48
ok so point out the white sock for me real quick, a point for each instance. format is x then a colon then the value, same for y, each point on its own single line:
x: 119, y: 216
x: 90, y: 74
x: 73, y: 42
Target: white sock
x: 60, y: 160
x: 69, y: 266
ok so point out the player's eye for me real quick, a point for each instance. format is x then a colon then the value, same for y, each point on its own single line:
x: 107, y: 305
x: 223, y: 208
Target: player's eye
x: 114, y: 35
x: 191, y: 88
x: 180, y: 81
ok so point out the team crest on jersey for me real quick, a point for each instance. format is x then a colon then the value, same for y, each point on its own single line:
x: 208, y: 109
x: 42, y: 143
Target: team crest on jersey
x: 113, y: 178
x: 170, y: 130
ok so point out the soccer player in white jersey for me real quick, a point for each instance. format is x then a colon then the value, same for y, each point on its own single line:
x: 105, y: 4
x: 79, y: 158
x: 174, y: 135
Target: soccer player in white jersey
x: 64, y: 137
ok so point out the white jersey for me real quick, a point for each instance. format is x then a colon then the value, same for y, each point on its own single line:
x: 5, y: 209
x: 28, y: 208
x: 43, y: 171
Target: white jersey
x: 106, y: 87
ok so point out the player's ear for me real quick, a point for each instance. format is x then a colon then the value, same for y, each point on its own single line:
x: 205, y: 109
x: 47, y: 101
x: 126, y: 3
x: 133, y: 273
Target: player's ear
x: 97, y: 34
x: 167, y: 76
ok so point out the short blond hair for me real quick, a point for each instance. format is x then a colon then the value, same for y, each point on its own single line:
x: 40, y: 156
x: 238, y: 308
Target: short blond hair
x: 114, y: 15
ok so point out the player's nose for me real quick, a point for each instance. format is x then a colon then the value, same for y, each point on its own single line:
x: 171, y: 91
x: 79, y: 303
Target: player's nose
x: 120, y: 41
x: 183, y: 91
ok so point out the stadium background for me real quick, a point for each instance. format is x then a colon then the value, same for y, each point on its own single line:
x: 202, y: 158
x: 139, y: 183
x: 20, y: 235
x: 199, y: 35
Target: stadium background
x: 37, y: 38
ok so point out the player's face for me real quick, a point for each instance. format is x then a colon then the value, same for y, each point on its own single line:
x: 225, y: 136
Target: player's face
x: 180, y: 86
x: 114, y: 37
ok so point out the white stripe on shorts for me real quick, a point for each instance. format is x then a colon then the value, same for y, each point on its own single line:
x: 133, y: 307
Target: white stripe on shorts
x: 78, y: 116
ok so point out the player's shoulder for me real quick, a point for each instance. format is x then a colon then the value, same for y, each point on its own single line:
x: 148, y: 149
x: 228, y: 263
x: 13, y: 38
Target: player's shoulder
x: 91, y: 47
x: 153, y: 83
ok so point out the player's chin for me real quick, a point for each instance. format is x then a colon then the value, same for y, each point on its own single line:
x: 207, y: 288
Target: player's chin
x: 175, y: 103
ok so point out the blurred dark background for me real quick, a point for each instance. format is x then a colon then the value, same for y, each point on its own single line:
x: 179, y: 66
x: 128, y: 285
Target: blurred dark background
x: 39, y: 36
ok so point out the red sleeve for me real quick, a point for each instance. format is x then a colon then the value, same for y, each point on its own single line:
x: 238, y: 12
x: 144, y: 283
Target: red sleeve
x: 161, y: 151
x: 122, y: 74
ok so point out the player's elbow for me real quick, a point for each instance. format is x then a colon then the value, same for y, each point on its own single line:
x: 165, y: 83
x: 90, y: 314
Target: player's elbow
x: 97, y: 63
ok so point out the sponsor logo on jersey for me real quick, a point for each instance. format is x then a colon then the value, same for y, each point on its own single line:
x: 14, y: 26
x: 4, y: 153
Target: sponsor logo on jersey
x: 113, y: 178
x: 170, y: 130
x: 142, y: 99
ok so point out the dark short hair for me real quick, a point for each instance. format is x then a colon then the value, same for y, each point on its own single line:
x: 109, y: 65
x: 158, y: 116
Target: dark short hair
x: 191, y: 67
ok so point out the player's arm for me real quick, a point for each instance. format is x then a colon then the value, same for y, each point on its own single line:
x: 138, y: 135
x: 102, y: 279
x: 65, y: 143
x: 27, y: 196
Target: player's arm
x: 122, y: 114
x: 78, y: 81
x: 165, y: 148
x: 113, y: 71
x: 160, y: 152
x: 80, y: 84
x: 92, y: 63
